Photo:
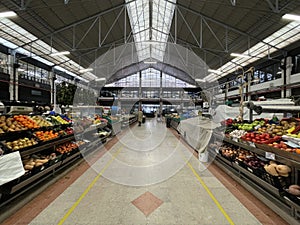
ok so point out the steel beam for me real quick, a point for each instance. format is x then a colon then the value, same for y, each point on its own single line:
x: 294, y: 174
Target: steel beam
x: 87, y: 32
x: 111, y: 27
x: 223, y: 24
x: 189, y: 28
x: 275, y: 8
x: 214, y: 34
x: 123, y: 5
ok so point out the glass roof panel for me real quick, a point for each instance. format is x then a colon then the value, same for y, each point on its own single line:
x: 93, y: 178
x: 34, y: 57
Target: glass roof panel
x: 13, y: 36
x: 280, y: 39
x: 139, y: 15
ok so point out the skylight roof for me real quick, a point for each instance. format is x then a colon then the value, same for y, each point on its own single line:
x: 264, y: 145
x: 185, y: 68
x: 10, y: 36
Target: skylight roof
x: 139, y: 15
x: 280, y: 39
x: 12, y: 36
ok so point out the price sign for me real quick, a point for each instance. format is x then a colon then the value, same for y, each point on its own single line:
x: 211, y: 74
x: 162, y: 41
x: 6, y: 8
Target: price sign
x: 270, y: 155
x: 235, y: 139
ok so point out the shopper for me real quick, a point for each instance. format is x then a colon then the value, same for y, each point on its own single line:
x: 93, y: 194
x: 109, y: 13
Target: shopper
x: 140, y: 117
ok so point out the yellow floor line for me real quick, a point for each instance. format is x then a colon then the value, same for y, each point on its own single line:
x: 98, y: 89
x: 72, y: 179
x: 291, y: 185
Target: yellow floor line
x: 89, y: 187
x: 210, y: 194
x: 208, y: 191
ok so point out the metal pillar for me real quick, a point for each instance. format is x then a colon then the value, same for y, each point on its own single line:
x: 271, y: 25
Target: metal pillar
x: 140, y: 89
x: 13, y: 73
x: 249, y: 78
x: 284, y: 76
x: 226, y: 91
x: 52, y: 86
x: 160, y: 94
x: 11, y: 76
x: 289, y: 66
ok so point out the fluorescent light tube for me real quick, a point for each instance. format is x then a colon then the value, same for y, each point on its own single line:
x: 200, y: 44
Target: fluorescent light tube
x: 7, y: 14
x: 240, y: 55
x: 200, y: 80
x: 85, y: 70
x: 100, y: 79
x: 214, y: 71
x: 21, y: 70
x: 291, y: 17
x: 60, y: 53
x: 150, y: 62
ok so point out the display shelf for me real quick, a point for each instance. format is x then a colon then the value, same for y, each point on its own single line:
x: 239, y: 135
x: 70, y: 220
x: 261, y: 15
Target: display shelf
x: 94, y: 127
x: 277, y: 204
x: 71, y: 157
x: 281, y: 156
x: 261, y: 188
x: 33, y: 178
x: 174, y: 124
x: 128, y: 120
x: 257, y: 179
x: 116, y: 127
x: 45, y: 146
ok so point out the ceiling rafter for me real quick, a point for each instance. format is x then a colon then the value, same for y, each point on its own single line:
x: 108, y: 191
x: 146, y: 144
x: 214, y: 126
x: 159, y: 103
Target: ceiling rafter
x: 72, y: 25
x: 274, y: 6
x: 222, y: 24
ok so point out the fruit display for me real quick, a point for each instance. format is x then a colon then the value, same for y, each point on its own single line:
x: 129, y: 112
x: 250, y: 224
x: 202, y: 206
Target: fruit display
x: 66, y: 147
x: 69, y: 131
x: 20, y: 143
x: 284, y: 128
x: 250, y: 126
x: 237, y: 133
x: 57, y: 120
x: 228, y: 151
x: 34, y: 161
x: 9, y: 124
x: 294, y: 190
x: 260, y: 138
x: 277, y: 170
x: 41, y: 121
x: 46, y: 135
x: 26, y: 122
x: 97, y: 121
x: 83, y: 122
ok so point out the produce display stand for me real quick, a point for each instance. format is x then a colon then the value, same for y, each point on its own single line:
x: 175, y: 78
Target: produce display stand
x: 91, y: 136
x: 16, y: 187
x: 172, y: 122
x: 280, y: 201
x: 116, y: 127
x: 128, y: 120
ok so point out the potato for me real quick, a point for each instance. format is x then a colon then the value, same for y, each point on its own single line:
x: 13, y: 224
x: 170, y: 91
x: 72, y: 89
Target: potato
x: 294, y: 190
x: 28, y: 167
x: 283, y: 169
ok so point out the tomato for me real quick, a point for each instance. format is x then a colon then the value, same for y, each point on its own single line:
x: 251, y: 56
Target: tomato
x: 248, y: 139
x: 254, y: 140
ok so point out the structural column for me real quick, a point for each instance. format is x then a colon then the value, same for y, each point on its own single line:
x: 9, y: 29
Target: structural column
x: 249, y: 79
x: 160, y: 93
x: 226, y: 91
x: 140, y: 88
x: 286, y: 76
x: 52, y: 87
x: 13, y: 74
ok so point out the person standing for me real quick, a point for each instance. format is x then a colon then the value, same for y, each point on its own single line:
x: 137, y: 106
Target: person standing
x: 140, y: 116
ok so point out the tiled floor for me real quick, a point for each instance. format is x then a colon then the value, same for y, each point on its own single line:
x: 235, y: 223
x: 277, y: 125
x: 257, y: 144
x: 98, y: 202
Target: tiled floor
x: 145, y: 178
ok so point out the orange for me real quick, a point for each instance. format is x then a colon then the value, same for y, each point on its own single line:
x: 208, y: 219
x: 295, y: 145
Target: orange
x: 298, y: 150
